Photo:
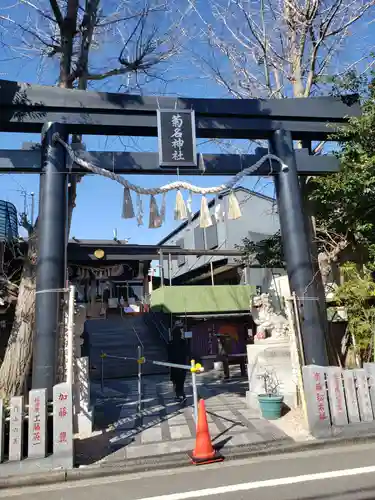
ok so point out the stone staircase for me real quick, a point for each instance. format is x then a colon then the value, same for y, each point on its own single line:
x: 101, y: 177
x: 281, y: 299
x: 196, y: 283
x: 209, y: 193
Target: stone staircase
x: 120, y: 337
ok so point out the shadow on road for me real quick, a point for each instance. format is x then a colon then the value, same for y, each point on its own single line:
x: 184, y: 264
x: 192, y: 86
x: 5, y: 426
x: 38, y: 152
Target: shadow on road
x: 353, y: 494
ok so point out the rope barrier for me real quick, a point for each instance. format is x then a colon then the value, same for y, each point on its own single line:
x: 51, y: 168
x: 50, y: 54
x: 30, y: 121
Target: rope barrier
x: 194, y: 368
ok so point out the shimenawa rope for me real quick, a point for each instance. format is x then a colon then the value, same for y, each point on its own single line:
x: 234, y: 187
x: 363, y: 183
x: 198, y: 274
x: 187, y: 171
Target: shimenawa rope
x: 171, y: 186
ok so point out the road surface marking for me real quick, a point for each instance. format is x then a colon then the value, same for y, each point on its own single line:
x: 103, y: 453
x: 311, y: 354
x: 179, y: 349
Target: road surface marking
x: 268, y: 483
x: 180, y: 471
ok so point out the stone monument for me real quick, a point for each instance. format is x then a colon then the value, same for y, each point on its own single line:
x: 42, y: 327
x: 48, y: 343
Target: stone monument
x: 336, y: 396
x: 63, y: 426
x: 363, y: 395
x: 83, y: 411
x: 351, y: 397
x: 16, y: 428
x: 317, y: 404
x: 37, y: 442
x: 269, y: 323
x: 273, y: 349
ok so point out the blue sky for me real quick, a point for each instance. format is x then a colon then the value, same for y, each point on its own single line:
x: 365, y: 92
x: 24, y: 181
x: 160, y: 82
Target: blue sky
x: 99, y: 201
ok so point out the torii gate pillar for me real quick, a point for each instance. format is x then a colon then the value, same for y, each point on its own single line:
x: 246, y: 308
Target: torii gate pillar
x: 50, y: 275
x: 297, y: 251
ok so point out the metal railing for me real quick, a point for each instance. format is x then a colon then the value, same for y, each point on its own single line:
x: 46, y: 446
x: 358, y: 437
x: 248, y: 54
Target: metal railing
x: 140, y: 343
x: 194, y: 368
x: 162, y: 330
x: 140, y: 353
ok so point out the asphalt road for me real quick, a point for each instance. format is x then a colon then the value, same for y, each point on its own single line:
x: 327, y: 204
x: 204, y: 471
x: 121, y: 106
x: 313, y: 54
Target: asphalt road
x: 338, y: 473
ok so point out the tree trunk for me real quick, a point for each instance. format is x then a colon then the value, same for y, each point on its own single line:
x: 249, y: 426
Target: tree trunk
x: 17, y: 359
x: 18, y: 354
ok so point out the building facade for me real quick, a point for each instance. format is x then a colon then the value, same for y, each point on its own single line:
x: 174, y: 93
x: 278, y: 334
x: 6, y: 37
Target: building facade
x: 258, y: 221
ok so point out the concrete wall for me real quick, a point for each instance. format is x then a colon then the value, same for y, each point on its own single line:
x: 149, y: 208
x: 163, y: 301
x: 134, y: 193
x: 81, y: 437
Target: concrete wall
x: 258, y: 221
x: 263, y: 279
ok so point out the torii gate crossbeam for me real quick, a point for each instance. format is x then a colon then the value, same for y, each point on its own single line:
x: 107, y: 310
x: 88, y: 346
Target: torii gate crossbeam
x: 31, y: 108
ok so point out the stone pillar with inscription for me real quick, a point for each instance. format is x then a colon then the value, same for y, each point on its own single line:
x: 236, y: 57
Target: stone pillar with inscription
x: 62, y: 341
x: 336, y: 396
x: 37, y: 444
x: 79, y: 325
x: 370, y: 372
x: 351, y: 397
x: 363, y: 395
x: 83, y: 408
x: 63, y: 425
x: 16, y: 428
x: 316, y: 397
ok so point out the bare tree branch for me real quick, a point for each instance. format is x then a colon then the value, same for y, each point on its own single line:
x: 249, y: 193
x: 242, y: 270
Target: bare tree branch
x: 277, y: 48
x: 136, y: 40
x: 56, y: 12
x: 42, y: 12
x: 139, y: 29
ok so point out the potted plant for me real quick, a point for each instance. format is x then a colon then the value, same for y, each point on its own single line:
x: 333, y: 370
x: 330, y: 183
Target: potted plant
x: 270, y: 402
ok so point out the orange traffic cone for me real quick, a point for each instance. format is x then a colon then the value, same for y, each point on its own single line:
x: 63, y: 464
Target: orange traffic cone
x: 204, y: 452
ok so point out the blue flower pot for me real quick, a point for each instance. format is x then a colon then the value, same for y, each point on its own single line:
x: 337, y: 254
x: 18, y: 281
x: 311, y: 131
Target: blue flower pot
x: 270, y: 406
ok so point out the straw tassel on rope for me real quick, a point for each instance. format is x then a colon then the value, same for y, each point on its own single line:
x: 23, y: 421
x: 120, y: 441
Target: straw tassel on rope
x: 189, y: 206
x: 163, y: 207
x: 127, y: 205
x: 205, y: 219
x: 180, y: 212
x: 155, y: 220
x: 201, y: 164
x: 234, y: 210
x: 219, y: 214
x: 139, y: 210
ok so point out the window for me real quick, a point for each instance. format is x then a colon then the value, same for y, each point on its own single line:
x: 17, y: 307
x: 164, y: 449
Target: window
x: 199, y: 238
x: 181, y: 259
x: 211, y: 236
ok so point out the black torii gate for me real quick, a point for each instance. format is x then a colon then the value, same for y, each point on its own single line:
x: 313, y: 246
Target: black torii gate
x: 50, y: 110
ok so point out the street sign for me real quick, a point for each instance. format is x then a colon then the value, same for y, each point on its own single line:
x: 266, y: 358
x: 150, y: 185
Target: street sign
x: 176, y: 137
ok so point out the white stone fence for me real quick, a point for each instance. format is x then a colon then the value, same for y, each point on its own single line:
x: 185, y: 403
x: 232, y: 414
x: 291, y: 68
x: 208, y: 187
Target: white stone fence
x: 337, y: 398
x: 24, y: 429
